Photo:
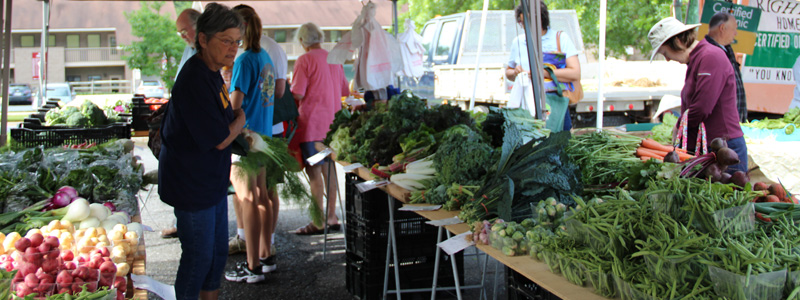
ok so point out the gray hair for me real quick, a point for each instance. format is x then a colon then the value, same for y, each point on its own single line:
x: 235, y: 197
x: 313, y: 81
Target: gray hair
x: 216, y: 18
x: 193, y: 15
x: 719, y: 18
x: 309, y: 34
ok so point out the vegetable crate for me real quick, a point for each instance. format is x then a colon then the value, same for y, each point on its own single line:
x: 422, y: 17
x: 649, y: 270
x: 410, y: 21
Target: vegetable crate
x: 142, y: 109
x: 520, y: 287
x: 54, y: 136
x: 365, y: 279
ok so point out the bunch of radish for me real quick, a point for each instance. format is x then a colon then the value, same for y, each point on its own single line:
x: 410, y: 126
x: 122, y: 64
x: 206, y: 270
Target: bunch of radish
x: 773, y: 193
x: 713, y: 165
x: 480, y: 233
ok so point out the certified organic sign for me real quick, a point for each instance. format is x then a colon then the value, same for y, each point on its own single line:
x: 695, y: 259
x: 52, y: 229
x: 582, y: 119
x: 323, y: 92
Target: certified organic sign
x: 777, y: 46
x: 747, y: 23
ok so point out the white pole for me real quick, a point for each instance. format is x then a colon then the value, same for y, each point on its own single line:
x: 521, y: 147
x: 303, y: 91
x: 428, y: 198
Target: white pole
x: 478, y: 55
x: 601, y: 63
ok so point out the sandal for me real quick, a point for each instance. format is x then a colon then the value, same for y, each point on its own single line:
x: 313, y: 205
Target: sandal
x: 309, y: 229
x: 334, y: 227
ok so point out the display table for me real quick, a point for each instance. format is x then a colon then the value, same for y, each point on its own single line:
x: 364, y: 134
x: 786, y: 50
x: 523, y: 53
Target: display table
x: 536, y: 271
x: 138, y: 268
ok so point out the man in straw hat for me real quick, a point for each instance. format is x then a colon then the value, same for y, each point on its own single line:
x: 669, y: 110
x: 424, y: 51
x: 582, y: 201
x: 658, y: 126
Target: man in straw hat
x: 709, y: 91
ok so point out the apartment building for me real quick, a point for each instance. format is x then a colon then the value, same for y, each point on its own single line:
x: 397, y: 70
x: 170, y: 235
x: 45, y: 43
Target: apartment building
x: 86, y: 37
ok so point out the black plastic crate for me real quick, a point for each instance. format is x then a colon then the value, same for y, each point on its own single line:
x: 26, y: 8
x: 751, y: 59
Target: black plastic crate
x: 365, y: 279
x: 413, y: 238
x: 56, y: 136
x: 519, y: 287
x: 371, y: 206
x: 140, y: 112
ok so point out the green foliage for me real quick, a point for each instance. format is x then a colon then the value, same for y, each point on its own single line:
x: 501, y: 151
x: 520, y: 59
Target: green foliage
x: 463, y: 157
x: 662, y: 133
x: 77, y: 119
x: 158, y: 43
x: 627, y: 22
x: 93, y: 113
x: 423, y: 10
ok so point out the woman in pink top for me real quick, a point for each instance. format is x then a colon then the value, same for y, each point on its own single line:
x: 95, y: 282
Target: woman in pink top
x: 317, y: 88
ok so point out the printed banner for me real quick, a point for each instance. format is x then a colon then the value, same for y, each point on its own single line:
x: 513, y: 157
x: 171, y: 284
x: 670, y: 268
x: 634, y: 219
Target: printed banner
x: 777, y: 46
x: 747, y: 21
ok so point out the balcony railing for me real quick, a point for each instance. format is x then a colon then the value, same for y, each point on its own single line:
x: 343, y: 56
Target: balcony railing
x: 88, y: 55
x: 294, y: 49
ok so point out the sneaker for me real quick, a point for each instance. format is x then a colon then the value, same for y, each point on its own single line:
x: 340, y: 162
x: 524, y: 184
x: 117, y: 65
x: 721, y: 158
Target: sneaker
x: 243, y: 273
x: 236, y: 245
x: 268, y: 265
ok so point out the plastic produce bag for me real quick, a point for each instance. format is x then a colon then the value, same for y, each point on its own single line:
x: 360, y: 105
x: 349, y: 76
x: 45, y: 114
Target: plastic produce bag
x: 379, y: 55
x: 343, y: 51
x: 522, y: 94
x: 412, y: 51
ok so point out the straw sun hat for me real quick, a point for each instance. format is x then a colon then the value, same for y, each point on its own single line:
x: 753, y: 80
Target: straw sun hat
x: 664, y: 30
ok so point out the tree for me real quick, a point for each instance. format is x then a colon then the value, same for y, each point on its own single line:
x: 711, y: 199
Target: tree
x: 627, y: 22
x: 159, y: 50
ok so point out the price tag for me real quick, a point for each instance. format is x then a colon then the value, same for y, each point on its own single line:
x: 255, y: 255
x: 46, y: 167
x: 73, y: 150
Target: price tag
x: 351, y: 168
x: 371, y: 185
x: 424, y: 207
x: 445, y: 222
x: 457, y: 243
x: 317, y: 158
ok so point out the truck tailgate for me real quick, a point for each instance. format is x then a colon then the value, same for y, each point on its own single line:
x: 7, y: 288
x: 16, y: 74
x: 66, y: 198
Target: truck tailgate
x: 455, y: 82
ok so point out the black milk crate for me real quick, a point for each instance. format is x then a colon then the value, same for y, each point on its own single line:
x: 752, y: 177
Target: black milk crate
x: 371, y: 206
x: 519, y: 287
x: 365, y: 278
x: 369, y: 240
x: 140, y: 112
x: 57, y: 136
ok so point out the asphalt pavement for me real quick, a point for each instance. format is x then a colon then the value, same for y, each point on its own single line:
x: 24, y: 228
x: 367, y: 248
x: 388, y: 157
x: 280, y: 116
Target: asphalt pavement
x: 302, y: 272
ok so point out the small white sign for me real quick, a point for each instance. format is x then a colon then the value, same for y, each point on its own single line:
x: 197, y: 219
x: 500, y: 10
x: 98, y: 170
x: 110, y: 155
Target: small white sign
x: 457, y: 243
x: 445, y: 222
x: 165, y: 291
x: 371, y: 185
x: 147, y: 228
x: 420, y: 207
x: 351, y: 168
x: 317, y: 158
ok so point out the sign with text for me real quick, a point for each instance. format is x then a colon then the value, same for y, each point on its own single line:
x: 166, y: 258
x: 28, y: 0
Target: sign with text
x: 35, y: 59
x: 747, y: 21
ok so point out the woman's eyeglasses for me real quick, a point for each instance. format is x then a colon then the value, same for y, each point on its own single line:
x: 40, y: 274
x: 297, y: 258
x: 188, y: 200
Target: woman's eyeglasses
x: 230, y: 43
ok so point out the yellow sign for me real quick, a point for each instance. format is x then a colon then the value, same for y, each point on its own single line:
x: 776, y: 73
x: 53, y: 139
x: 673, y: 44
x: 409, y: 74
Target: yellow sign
x: 744, y: 43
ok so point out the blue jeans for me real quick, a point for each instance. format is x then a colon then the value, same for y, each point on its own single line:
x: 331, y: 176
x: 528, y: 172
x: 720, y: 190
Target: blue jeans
x: 204, y: 242
x: 740, y: 147
x: 567, y: 121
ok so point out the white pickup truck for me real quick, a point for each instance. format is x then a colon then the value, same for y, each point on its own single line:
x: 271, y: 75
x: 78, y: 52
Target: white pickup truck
x: 632, y: 89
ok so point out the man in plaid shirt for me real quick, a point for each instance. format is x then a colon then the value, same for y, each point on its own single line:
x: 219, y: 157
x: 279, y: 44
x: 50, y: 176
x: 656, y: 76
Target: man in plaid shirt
x: 721, y: 33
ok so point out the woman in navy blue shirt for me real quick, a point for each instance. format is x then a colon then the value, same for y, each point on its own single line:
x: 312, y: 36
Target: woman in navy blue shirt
x: 195, y: 158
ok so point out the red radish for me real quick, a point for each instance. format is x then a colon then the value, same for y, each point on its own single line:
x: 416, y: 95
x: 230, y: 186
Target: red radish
x: 110, y: 206
x: 777, y: 190
x: 39, y: 272
x: 772, y: 198
x: 108, y: 267
x: 50, y: 265
x: 69, y: 191
x: 26, y: 268
x: 120, y: 283
x: 70, y: 265
x: 52, y: 241
x: 760, y: 186
x: 32, y: 256
x: 44, y: 248
x: 67, y: 255
x: 36, y: 239
x: 95, y: 262
x: 22, y: 244
x: 80, y: 272
x: 46, y: 279
x: 23, y: 290
x: 31, y: 280
x: 84, y: 257
x: 64, y: 277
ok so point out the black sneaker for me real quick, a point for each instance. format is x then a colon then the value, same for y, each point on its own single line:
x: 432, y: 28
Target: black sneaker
x: 268, y: 265
x: 243, y: 273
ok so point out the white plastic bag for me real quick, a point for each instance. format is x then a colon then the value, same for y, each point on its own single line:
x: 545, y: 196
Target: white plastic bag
x: 412, y: 51
x: 342, y: 52
x: 379, y: 57
x: 521, y: 95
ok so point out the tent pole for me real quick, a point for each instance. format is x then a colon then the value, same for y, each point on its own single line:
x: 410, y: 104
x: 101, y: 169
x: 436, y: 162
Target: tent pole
x: 6, y: 72
x: 484, y: 13
x: 395, y: 29
x: 601, y: 64
x: 533, y: 38
x: 43, y: 54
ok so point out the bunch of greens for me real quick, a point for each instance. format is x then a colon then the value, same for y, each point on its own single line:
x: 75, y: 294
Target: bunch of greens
x: 662, y: 133
x: 513, y: 125
x: 537, y: 170
x: 87, y: 115
x: 601, y: 156
x: 405, y: 112
x: 272, y: 155
x: 442, y: 117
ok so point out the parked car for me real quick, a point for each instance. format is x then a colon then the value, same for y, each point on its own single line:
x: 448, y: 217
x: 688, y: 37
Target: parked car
x: 61, y: 91
x: 20, y: 93
x: 151, y: 89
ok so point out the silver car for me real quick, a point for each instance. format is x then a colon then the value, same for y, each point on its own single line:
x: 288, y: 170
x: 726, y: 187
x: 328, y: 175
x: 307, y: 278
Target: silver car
x: 61, y: 91
x: 151, y: 89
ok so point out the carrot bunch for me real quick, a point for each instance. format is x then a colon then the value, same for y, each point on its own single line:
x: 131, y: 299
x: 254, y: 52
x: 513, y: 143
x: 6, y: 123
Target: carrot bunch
x: 655, y: 150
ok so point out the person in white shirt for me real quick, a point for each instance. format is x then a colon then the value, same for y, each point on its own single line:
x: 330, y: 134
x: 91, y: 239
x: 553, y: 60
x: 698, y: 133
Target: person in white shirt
x: 186, y: 24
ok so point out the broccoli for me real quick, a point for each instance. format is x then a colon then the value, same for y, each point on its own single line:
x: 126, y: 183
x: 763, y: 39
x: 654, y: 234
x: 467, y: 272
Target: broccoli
x: 54, y: 116
x: 463, y: 157
x: 66, y: 111
x: 93, y: 113
x: 77, y: 119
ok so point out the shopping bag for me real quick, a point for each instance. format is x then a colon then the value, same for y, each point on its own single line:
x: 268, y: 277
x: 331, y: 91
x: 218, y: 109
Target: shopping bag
x: 412, y: 51
x: 521, y: 95
x: 380, y: 57
x: 343, y: 51
x: 558, y: 105
x: 682, y: 138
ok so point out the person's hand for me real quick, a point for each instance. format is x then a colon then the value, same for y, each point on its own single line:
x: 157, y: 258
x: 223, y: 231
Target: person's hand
x: 238, y: 112
x: 519, y: 69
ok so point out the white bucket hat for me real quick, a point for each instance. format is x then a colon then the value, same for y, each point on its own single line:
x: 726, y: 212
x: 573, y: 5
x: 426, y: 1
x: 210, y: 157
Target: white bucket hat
x: 664, y: 30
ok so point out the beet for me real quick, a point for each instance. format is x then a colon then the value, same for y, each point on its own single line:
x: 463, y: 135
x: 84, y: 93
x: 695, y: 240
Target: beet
x: 672, y: 157
x: 717, y: 143
x: 727, y: 157
x: 725, y: 177
x: 712, y: 172
x: 740, y: 178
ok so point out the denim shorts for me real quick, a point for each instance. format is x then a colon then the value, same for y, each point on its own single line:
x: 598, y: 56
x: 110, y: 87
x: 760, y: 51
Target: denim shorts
x: 204, y: 242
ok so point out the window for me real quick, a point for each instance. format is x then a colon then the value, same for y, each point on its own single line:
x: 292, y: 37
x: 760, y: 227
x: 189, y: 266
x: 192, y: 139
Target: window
x: 447, y: 37
x: 73, y: 77
x: 73, y: 41
x: 51, y: 40
x: 26, y: 41
x: 112, y: 42
x: 335, y: 36
x: 93, y: 40
x: 280, y: 36
x: 427, y: 37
